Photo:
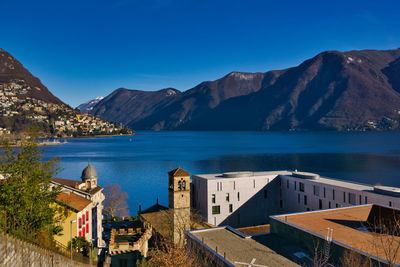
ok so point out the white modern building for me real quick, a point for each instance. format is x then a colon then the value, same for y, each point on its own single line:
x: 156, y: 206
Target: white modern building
x: 248, y: 198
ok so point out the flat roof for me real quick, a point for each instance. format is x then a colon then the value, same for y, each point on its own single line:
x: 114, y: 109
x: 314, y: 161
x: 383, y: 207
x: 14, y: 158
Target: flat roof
x: 349, y: 226
x: 241, y: 250
x: 240, y: 174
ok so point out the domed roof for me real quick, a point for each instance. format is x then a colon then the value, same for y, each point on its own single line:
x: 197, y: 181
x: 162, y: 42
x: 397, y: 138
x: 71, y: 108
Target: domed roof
x: 89, y: 173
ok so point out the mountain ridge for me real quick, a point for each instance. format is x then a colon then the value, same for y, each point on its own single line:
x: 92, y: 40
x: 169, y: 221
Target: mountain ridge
x: 353, y: 90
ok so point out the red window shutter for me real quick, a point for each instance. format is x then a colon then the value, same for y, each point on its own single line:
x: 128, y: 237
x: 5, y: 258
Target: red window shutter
x: 80, y: 223
x: 87, y: 228
x: 83, y: 219
x: 80, y: 233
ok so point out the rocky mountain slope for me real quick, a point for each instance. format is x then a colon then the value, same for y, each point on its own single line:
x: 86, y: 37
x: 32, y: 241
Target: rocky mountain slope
x: 26, y: 102
x: 354, y: 90
x: 12, y: 69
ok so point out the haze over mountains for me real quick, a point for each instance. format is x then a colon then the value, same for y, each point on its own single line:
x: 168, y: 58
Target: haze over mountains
x: 354, y: 90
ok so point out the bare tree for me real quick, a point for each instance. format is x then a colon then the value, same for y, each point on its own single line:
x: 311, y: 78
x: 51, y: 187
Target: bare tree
x: 115, y: 203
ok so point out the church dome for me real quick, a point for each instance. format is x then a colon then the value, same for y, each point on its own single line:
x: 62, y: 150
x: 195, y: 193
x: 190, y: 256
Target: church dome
x: 89, y: 173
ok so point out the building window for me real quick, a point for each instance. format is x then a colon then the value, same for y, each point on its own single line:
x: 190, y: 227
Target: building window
x: 390, y: 203
x: 320, y: 204
x: 87, y: 228
x: 360, y: 200
x: 238, y: 196
x: 230, y: 208
x: 298, y: 198
x: 227, y: 197
x: 352, y: 198
x: 254, y: 183
x: 324, y: 193
x: 338, y: 205
x: 305, y: 200
x: 80, y: 223
x: 329, y: 204
x: 281, y: 203
x: 295, y: 185
x: 213, y: 198
x: 316, y: 190
x: 287, y: 184
x: 301, y: 187
x: 366, y: 200
x: 265, y: 193
x: 333, y: 194
x: 234, y: 185
x: 87, y: 215
x: 344, y: 197
x: 83, y: 219
x: 216, y: 210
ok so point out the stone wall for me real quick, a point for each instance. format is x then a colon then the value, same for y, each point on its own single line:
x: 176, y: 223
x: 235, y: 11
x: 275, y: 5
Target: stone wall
x: 16, y: 253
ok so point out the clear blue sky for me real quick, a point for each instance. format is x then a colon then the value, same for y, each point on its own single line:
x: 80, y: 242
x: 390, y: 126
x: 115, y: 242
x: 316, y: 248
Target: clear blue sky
x: 81, y: 49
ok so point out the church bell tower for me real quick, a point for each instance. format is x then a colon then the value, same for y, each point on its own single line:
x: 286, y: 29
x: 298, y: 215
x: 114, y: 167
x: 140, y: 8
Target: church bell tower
x: 179, y: 202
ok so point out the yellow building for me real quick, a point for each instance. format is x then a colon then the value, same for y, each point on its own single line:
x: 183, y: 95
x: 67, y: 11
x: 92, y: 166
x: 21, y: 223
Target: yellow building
x: 82, y: 202
x: 76, y: 211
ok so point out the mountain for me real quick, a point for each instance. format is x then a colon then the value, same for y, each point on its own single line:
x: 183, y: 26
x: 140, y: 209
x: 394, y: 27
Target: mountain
x: 88, y: 106
x: 26, y: 102
x: 355, y: 90
x: 169, y: 108
x: 11, y: 69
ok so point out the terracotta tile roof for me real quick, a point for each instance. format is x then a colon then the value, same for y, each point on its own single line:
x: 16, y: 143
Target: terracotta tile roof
x: 178, y: 172
x: 73, y: 201
x: 67, y: 182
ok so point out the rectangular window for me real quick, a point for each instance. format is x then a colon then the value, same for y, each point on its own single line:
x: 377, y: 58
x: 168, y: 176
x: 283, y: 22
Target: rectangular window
x: 287, y: 184
x: 80, y: 223
x: 298, y: 198
x: 329, y: 204
x: 83, y: 219
x: 227, y: 197
x: 254, y: 183
x: 360, y: 200
x: 324, y: 193
x: 390, y: 203
x: 220, y: 186
x: 216, y: 210
x: 265, y: 193
x: 234, y: 185
x: 305, y: 200
x: 344, y: 197
x: 87, y: 215
x: 213, y: 198
x: 316, y: 190
x: 238, y: 196
x: 281, y: 203
x: 301, y: 187
x: 366, y: 200
x: 352, y: 198
x: 333, y: 194
x: 295, y: 185
x: 230, y: 208
x: 320, y: 204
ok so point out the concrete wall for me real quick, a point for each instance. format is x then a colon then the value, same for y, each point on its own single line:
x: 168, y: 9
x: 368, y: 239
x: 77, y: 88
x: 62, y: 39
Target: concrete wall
x: 17, y: 253
x: 293, y: 198
x: 252, y: 199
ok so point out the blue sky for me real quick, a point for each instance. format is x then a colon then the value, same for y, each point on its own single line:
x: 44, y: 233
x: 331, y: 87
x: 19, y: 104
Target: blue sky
x: 82, y: 49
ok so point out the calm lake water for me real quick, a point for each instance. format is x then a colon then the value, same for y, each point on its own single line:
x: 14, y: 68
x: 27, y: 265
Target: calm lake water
x: 140, y: 163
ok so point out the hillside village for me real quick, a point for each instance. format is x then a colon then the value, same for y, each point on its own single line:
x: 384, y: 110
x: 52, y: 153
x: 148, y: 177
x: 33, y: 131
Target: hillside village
x: 18, y: 111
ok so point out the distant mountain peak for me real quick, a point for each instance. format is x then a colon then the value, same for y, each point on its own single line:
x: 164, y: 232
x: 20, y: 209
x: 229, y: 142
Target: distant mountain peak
x: 88, y: 106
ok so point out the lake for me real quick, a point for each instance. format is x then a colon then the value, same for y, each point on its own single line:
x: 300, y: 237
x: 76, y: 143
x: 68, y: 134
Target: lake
x: 140, y: 163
